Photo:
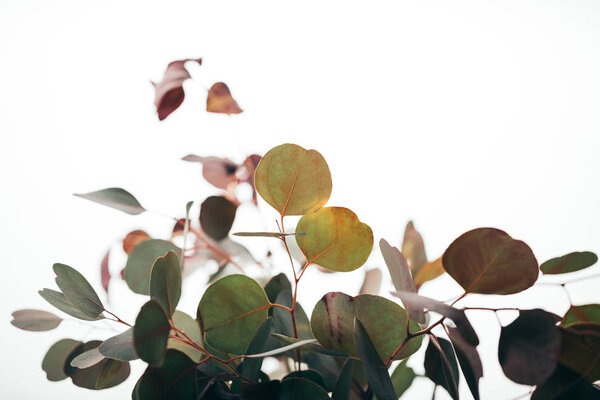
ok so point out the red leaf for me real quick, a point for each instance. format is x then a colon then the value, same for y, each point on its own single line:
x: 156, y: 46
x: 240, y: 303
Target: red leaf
x: 134, y: 238
x: 219, y: 100
x: 104, y: 272
x: 169, y: 92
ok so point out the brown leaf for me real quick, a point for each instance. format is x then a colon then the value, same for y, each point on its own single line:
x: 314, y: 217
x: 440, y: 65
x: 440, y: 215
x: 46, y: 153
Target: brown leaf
x: 219, y: 100
x: 429, y: 271
x: 104, y: 271
x: 178, y: 228
x: 169, y: 92
x: 134, y: 238
x: 219, y: 172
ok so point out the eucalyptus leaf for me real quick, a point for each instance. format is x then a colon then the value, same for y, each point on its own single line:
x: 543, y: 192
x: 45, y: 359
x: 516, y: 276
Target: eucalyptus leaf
x: 175, y: 379
x: 311, y: 347
x: 217, y: 214
x: 343, y: 384
x: 151, y: 333
x: 117, y: 198
x: 268, y: 234
x: 569, y: 263
x: 441, y: 366
x: 165, y: 282
x: 139, y: 263
x: 413, y: 248
x: 78, y: 290
x: 302, y: 389
x: 582, y: 314
x: 56, y: 358
x: 35, y: 320
x: 119, y: 347
x: 88, y: 377
x: 58, y: 300
x: 190, y: 327
x: 468, y: 359
x: 87, y: 359
x: 309, y: 374
x: 402, y: 378
x: 251, y: 366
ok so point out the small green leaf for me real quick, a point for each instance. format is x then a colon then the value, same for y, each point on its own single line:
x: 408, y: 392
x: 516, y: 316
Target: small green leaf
x: 276, y: 285
x: 402, y: 377
x: 190, y: 327
x: 217, y: 214
x: 151, y: 333
x: 165, y: 281
x: 377, y: 373
x: 78, y: 290
x: 56, y: 358
x: 335, y: 239
x: 58, y: 300
x: 175, y: 379
x: 35, y: 320
x: 87, y: 359
x: 343, y: 383
x: 109, y: 370
x: 117, y: 198
x: 469, y: 360
x: 569, y: 263
x: 119, y: 347
x: 293, y: 180
x: 441, y: 366
x: 302, y: 389
x: 583, y: 314
x: 251, y: 366
x: 140, y: 262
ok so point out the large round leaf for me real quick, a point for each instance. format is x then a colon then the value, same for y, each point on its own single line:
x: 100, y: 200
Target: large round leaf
x: 335, y: 239
x: 569, y: 263
x: 151, y: 333
x: 332, y: 323
x: 217, y: 214
x: 230, y: 312
x: 56, y: 358
x: 293, y: 180
x: 489, y: 261
x: 529, y: 347
x: 140, y: 262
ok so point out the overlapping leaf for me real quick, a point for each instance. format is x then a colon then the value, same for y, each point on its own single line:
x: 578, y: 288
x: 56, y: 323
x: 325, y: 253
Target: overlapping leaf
x: 169, y: 91
x: 140, y: 262
x: 119, y: 347
x: 165, y: 282
x: 102, y: 375
x: 441, y: 366
x: 56, y: 358
x: 582, y: 314
x: 151, y: 333
x: 133, y: 238
x: 175, y: 379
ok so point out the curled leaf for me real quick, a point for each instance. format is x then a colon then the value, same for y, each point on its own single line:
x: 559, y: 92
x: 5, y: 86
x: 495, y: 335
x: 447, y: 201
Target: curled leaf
x: 219, y: 100
x: 169, y: 91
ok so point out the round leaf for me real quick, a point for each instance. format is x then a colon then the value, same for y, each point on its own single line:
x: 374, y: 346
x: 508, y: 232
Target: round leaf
x: 219, y: 100
x: 133, y: 238
x: 165, y: 281
x: 88, y: 377
x: 489, y: 261
x: 35, y: 320
x: 140, y: 262
x: 335, y: 239
x: 293, y: 180
x: 332, y: 324
x: 230, y: 312
x: 151, y: 333
x: 56, y: 358
x: 569, y: 263
x: 217, y: 214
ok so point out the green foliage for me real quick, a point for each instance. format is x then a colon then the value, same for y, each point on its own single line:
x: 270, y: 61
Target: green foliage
x: 350, y: 342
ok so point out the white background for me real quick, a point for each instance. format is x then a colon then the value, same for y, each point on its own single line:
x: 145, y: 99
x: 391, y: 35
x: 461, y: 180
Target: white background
x: 454, y: 114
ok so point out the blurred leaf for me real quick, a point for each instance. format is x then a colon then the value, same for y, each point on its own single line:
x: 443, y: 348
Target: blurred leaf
x: 441, y: 366
x: 372, y: 282
x: 140, y: 262
x: 35, y: 320
x: 529, y: 346
x: 469, y: 360
x: 151, y: 332
x: 88, y: 377
x: 190, y: 327
x: 87, y: 358
x: 230, y: 312
x: 327, y: 365
x: 308, y: 374
x: 401, y: 277
x: 104, y: 271
x: 219, y: 172
x: 302, y: 389
x: 429, y: 271
x: 281, y: 350
x: 219, y: 100
x: 312, y: 346
x: 175, y: 379
x: 580, y: 350
x: 117, y: 198
x: 56, y: 358
x: 587, y: 313
x: 489, y: 261
x: 216, y: 216
x: 293, y: 180
x: 343, y: 384
x: 165, y: 282
x: 119, y: 347
x: 133, y: 238
x: 269, y: 234
x: 413, y: 248
x: 169, y: 91
x: 402, y: 377
x: 564, y: 384
x: 251, y: 366
x: 58, y: 300
x: 335, y: 239
x: 261, y: 391
x: 569, y: 263
x: 246, y: 172
x: 456, y: 315
x: 377, y: 373
x: 78, y: 290
x: 332, y: 323
x: 276, y: 285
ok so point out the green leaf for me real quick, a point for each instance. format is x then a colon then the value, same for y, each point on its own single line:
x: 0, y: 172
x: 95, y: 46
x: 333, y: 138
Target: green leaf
x: 269, y: 234
x: 251, y: 366
x: 302, y: 389
x: 489, y: 261
x: 401, y: 277
x: 110, y: 369
x: 569, y: 263
x: 175, y: 379
x: 56, y: 358
x: 293, y: 180
x: 332, y: 323
x: 119, y: 347
x: 190, y: 327
x: 529, y: 346
x: 413, y: 248
x: 58, y: 300
x: 587, y: 313
x: 469, y: 360
x: 335, y: 239
x: 87, y: 359
x: 377, y: 373
x: 35, y: 320
x: 88, y: 377
x: 117, y: 198
x: 78, y: 290
x: 309, y: 374
x: 165, y: 281
x: 217, y: 214
x: 343, y: 383
x: 151, y: 333
x: 402, y: 377
x: 261, y: 391
x: 441, y: 366
x: 230, y: 312
x: 140, y: 262
x: 580, y: 350
x: 276, y: 285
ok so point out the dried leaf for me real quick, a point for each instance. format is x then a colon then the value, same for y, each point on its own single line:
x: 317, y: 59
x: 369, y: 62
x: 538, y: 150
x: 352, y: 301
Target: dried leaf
x: 219, y: 100
x: 429, y: 271
x: 134, y: 238
x: 169, y: 92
